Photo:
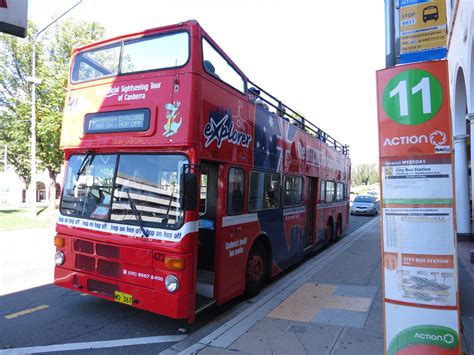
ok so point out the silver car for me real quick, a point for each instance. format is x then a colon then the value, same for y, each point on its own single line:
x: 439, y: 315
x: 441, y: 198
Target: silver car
x: 365, y: 204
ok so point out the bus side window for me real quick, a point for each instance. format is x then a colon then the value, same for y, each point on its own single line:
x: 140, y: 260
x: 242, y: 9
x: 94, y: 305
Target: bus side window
x: 330, y: 191
x: 264, y: 190
x: 322, y: 191
x: 220, y: 68
x: 203, y: 191
x: 293, y: 190
x: 235, y: 191
x: 340, y: 195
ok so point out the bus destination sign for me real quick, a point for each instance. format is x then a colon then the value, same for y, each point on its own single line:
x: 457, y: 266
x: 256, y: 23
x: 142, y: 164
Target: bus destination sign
x: 117, y: 121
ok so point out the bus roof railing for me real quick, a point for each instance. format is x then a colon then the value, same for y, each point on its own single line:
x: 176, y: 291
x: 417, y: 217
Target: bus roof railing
x: 264, y: 98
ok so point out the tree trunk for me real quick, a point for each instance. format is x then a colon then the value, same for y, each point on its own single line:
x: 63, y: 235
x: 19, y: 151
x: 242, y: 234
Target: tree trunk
x: 52, y: 189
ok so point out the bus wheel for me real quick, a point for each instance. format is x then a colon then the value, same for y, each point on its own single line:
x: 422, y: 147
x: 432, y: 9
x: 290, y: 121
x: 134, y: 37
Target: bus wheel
x: 338, y: 229
x: 255, y: 272
x: 330, y: 232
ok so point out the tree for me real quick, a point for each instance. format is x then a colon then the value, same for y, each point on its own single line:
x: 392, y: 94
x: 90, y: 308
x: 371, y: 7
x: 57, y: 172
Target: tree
x: 53, y: 51
x: 364, y: 174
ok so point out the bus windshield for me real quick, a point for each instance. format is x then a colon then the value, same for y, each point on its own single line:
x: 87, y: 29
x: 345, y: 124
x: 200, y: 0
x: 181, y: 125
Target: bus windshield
x: 147, y: 53
x: 135, y: 189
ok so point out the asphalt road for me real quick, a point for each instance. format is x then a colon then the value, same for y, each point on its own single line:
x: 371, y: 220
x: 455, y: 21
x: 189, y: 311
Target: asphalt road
x: 36, y: 319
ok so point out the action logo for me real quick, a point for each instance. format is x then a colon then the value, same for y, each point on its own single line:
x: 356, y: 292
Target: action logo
x: 438, y: 138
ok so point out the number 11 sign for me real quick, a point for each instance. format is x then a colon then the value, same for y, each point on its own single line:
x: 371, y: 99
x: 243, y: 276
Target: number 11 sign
x: 413, y: 110
x: 418, y: 224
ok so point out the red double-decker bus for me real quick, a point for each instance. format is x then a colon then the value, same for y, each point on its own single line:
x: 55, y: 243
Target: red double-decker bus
x: 186, y: 184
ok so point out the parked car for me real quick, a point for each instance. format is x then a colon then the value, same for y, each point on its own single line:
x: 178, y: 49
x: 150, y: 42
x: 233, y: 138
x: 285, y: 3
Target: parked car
x: 365, y: 204
x: 373, y: 193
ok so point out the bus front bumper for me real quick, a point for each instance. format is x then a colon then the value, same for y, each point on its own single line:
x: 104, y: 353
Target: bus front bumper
x: 164, y: 303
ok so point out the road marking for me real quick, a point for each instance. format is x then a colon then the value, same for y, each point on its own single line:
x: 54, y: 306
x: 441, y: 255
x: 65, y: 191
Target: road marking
x: 26, y: 311
x: 95, y: 344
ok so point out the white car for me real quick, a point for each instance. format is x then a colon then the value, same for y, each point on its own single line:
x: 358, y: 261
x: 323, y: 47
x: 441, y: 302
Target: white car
x: 365, y: 204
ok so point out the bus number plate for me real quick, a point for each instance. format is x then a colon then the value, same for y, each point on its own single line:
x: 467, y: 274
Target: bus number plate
x: 123, y: 298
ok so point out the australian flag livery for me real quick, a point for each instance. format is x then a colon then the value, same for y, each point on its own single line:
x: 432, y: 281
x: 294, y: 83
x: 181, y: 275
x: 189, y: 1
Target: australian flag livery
x: 268, y: 152
x: 273, y: 139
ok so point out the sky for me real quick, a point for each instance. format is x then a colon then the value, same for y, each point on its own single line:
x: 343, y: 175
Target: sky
x: 317, y: 57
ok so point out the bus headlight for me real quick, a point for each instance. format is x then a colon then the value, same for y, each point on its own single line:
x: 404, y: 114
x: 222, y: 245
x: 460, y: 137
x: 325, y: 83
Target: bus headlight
x: 59, y: 258
x: 172, y: 283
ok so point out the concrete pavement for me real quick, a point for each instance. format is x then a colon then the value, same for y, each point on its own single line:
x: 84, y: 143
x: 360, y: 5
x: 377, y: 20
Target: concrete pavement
x: 332, y: 304
x: 466, y: 293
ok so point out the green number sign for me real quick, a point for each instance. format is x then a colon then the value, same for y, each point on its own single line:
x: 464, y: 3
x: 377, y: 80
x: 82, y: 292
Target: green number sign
x: 412, y: 97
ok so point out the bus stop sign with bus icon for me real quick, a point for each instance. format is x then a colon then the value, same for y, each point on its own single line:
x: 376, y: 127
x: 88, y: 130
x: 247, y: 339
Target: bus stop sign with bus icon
x: 422, y: 30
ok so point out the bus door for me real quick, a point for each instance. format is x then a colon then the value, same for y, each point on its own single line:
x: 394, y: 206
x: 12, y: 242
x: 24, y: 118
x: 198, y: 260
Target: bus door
x: 310, y: 212
x: 207, y: 232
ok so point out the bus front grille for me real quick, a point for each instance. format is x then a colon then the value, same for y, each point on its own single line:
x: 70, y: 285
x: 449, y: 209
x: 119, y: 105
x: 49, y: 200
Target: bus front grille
x: 85, y: 263
x: 109, y: 268
x: 107, y: 251
x: 83, y: 246
x: 102, y: 288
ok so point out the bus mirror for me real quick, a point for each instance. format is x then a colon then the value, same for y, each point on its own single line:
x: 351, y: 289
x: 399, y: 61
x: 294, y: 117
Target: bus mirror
x: 189, y: 191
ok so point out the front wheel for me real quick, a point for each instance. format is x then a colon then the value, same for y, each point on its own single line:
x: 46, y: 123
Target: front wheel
x: 255, y: 273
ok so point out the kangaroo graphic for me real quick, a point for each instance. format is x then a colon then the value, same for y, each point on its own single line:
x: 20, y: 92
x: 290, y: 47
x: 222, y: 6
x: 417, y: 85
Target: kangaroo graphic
x: 172, y: 125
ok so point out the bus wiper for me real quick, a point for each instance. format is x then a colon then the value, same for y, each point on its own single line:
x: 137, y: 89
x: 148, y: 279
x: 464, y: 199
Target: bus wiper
x: 85, y: 164
x: 137, y: 214
x: 165, y: 220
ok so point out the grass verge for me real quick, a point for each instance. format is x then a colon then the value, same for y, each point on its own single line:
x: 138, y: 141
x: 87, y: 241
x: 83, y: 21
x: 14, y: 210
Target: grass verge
x: 21, y: 218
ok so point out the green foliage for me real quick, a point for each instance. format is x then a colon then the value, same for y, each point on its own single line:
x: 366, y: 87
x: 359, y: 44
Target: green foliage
x: 53, y: 50
x: 364, y: 174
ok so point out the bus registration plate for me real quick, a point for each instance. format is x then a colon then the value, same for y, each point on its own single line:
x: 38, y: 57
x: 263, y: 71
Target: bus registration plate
x: 123, y: 298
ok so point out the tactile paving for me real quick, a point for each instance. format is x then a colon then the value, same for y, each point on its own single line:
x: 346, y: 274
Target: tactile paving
x: 356, y: 304
x: 303, y: 304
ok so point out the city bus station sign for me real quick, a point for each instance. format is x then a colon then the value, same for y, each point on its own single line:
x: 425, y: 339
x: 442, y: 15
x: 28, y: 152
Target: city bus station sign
x: 418, y: 224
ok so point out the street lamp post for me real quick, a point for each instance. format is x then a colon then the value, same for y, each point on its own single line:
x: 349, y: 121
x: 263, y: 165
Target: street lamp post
x: 34, y: 81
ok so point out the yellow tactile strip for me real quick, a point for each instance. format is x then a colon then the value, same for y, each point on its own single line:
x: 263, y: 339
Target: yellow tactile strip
x: 303, y: 304
x: 356, y: 304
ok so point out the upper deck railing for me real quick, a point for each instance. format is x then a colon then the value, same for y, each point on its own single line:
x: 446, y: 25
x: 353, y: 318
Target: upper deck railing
x: 282, y: 110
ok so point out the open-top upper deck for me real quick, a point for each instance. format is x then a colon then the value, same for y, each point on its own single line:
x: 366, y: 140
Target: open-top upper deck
x: 173, y: 88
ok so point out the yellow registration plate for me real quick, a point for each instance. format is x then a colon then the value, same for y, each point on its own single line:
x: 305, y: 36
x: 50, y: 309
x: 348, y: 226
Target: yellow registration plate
x: 123, y: 298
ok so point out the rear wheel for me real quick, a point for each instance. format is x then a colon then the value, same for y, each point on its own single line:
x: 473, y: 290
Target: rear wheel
x: 330, y: 232
x: 338, y: 229
x: 255, y: 273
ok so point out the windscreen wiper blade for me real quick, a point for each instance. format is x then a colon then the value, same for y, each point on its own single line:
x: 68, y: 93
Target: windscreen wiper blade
x: 137, y: 214
x: 85, y: 163
x: 165, y: 220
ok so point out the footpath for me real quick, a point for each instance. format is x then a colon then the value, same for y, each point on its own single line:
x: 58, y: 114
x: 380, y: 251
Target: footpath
x: 331, y: 304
